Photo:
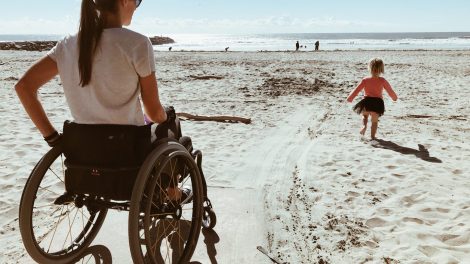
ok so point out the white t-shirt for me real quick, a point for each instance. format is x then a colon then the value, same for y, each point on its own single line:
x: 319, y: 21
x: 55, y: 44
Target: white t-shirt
x: 112, y: 96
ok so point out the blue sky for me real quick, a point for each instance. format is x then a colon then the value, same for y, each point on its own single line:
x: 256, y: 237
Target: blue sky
x: 249, y: 16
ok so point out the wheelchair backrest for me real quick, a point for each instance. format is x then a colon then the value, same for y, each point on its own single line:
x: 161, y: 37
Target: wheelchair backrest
x: 105, y: 145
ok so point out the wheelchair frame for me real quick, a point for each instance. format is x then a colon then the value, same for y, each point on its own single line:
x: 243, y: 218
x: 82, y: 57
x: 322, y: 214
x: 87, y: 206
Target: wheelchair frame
x: 147, y: 209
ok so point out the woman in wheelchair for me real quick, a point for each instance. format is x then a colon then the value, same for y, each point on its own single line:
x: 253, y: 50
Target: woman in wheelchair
x: 108, y: 77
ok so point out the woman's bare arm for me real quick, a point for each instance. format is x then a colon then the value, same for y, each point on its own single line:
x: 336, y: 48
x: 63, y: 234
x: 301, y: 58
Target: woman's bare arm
x: 27, y: 89
x: 152, y: 106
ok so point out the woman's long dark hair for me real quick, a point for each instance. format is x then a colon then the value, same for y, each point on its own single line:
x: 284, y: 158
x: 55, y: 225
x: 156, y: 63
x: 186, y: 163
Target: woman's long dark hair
x: 89, y: 34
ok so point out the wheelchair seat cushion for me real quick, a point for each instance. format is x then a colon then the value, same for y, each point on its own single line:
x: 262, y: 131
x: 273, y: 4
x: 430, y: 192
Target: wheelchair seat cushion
x: 103, y: 160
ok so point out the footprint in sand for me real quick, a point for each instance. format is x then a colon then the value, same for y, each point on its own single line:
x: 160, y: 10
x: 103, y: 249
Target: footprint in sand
x: 20, y: 153
x: 371, y: 244
x: 455, y: 240
x: 429, y: 251
x: 385, y: 211
x: 353, y: 194
x: 376, y: 222
x: 445, y: 237
x: 443, y: 210
x: 400, y: 176
x: 427, y: 210
x: 410, y: 199
x: 413, y: 220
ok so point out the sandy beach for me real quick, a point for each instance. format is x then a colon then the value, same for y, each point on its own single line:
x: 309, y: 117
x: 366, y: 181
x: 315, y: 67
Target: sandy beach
x: 299, y: 180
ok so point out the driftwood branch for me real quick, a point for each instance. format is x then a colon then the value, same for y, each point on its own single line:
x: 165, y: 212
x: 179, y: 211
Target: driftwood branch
x: 206, y: 77
x: 224, y: 119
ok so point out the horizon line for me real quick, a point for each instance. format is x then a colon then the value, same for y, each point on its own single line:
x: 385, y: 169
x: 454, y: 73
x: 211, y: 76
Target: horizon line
x: 372, y: 32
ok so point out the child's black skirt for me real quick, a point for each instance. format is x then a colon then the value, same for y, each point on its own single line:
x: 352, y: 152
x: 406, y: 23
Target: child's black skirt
x: 370, y: 104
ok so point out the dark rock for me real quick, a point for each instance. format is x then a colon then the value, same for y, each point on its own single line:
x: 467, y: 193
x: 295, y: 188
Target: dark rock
x: 28, y: 45
x: 161, y: 40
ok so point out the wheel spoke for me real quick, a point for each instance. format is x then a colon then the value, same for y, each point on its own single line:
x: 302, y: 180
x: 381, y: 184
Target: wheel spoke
x: 55, y: 228
x: 47, y: 189
x: 70, y: 230
x: 178, y: 232
x: 158, y: 238
x: 57, y: 176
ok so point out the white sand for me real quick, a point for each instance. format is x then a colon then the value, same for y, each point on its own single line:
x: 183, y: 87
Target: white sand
x: 299, y: 181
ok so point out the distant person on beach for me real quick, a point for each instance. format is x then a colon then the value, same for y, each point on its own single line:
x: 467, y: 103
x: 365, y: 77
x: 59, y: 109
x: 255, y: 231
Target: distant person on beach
x: 317, y: 45
x: 297, y: 46
x: 226, y: 49
x: 169, y: 49
x: 372, y: 104
x: 104, y: 69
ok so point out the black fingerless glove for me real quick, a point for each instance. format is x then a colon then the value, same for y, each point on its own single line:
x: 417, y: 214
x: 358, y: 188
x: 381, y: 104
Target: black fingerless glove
x: 170, y: 114
x: 53, y: 139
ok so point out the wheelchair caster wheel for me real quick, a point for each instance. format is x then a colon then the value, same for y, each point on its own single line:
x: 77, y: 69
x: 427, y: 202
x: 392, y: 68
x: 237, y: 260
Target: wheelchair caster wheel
x: 208, y: 218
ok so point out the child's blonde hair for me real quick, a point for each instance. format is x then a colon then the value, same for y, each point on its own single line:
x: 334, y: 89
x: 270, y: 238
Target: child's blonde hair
x: 376, y: 66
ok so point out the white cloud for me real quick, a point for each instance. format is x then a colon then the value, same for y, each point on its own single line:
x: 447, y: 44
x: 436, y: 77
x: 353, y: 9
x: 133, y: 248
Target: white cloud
x: 280, y: 24
x: 272, y: 24
x: 26, y: 25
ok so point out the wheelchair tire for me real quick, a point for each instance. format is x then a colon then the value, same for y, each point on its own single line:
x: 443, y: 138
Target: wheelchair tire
x: 162, y: 231
x: 42, y: 221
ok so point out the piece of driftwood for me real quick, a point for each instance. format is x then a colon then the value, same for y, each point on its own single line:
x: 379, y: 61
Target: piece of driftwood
x: 224, y: 119
x: 206, y: 77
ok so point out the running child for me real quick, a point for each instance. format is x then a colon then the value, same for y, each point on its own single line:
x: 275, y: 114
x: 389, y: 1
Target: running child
x: 372, y: 104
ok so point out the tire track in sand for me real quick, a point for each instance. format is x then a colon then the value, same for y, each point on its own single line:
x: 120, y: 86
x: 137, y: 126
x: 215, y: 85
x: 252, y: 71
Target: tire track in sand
x: 271, y: 165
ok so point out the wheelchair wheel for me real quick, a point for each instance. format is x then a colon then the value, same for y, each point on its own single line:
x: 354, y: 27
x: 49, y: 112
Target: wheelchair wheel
x: 162, y: 230
x: 209, y: 218
x: 54, y: 228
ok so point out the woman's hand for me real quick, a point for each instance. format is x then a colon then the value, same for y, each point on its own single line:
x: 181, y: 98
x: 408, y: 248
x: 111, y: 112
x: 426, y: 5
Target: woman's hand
x: 170, y: 114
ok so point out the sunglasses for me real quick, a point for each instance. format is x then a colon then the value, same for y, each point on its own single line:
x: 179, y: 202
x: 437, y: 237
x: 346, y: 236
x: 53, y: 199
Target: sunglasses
x: 137, y: 3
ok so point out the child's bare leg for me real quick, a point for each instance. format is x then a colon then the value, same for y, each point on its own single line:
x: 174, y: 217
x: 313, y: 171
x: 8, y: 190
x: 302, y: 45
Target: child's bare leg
x: 174, y: 193
x: 375, y: 124
x: 365, y: 117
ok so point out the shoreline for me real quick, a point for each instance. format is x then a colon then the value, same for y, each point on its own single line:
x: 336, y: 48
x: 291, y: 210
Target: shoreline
x: 313, y: 51
x: 41, y: 44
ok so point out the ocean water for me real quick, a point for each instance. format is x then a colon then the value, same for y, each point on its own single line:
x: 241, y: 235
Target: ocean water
x: 5, y: 38
x: 281, y: 42
x: 328, y: 41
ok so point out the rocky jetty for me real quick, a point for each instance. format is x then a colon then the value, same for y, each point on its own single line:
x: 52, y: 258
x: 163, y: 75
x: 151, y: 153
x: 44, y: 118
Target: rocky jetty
x: 161, y: 40
x: 28, y: 45
x: 47, y: 45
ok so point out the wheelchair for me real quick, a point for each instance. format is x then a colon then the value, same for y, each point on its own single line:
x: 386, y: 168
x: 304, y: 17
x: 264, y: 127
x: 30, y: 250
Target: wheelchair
x: 100, y: 167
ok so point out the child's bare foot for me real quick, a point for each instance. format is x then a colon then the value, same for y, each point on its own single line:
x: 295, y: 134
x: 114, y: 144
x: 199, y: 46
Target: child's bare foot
x: 363, y: 130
